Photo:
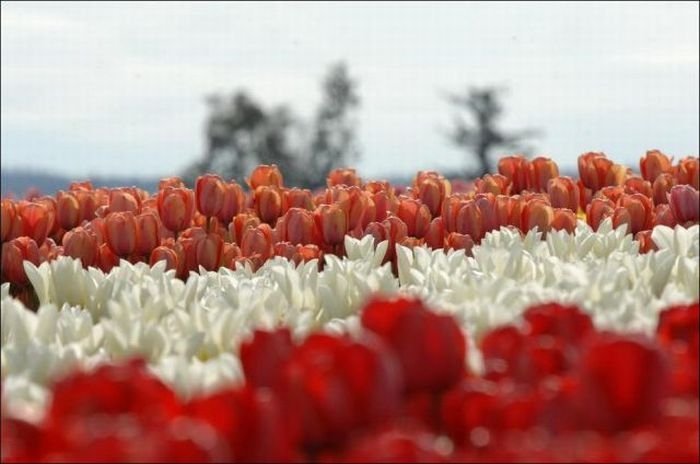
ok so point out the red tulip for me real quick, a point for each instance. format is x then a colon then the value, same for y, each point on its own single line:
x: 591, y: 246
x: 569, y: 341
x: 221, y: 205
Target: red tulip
x: 495, y: 184
x: 265, y: 175
x: 457, y: 241
x: 431, y: 189
x: 67, y: 210
x: 87, y: 203
x: 176, y: 208
x: 106, y: 259
x: 9, y: 213
x: 343, y: 176
x: 268, y: 203
x: 35, y: 221
x: 635, y: 184
x: 597, y: 171
x: 81, y: 244
x: 296, y: 227
x: 537, y: 213
x: 469, y: 220
x: 540, y: 171
x: 209, y: 251
x: 597, y: 210
x: 123, y: 199
x: 435, y: 235
x: 516, y: 168
x: 242, y: 222
x: 688, y: 172
x: 298, y: 198
x: 653, y: 164
x: 563, y: 193
x: 416, y: 216
x: 148, y: 233
x: 121, y: 233
x: 332, y: 222
x: 661, y: 188
x: 257, y: 241
x: 175, y: 182
x: 508, y: 211
x: 209, y: 194
x: 164, y: 253
x: 685, y: 204
x: 14, y: 253
x: 664, y: 216
x: 646, y: 244
x: 564, y: 219
x: 638, y: 213
x: 84, y: 185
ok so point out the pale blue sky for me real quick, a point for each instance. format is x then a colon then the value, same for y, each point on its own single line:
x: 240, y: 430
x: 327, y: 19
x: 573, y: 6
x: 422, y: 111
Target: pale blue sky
x: 95, y: 88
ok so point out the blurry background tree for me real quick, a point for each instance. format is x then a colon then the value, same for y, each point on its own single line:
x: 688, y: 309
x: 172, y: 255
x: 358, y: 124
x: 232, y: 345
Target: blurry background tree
x: 241, y: 133
x: 482, y: 137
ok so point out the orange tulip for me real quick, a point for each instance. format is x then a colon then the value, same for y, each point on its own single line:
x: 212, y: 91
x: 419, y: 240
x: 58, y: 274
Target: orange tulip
x: 537, y: 213
x: 148, y: 233
x: 230, y: 252
x: 106, y: 260
x: 688, y: 172
x: 449, y: 210
x: 309, y: 252
x: 7, y: 221
x: 67, y: 209
x: 87, y: 204
x: 123, y: 199
x: 396, y: 231
x: 597, y: 210
x: 176, y: 208
x: 257, y: 241
x: 636, y: 184
x: 563, y: 193
x: 469, y: 220
x: 508, y: 211
x: 298, y: 198
x: 49, y: 203
x: 377, y: 230
x: 663, y: 216
x: 416, y: 215
x: 164, y: 253
x: 457, y: 241
x: 613, y: 193
x: 121, y: 233
x: 286, y: 250
x: 489, y: 214
x: 435, y: 235
x: 332, y: 222
x: 242, y: 222
x: 343, y: 176
x: 684, y: 201
x: 661, y: 187
x: 209, y: 194
x: 175, y: 182
x: 49, y: 251
x: 540, y: 171
x: 495, y: 184
x: 81, y: 244
x: 516, y: 168
x: 35, y: 221
x: 265, y: 175
x: 14, y: 253
x: 296, y: 227
x: 597, y: 171
x: 646, y: 244
x: 431, y: 189
x: 268, y: 203
x: 209, y: 251
x: 654, y: 163
x: 84, y: 185
x: 564, y: 219
x: 640, y: 212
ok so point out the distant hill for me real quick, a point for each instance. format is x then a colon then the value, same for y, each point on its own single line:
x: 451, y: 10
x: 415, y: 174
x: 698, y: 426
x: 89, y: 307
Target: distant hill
x: 19, y: 181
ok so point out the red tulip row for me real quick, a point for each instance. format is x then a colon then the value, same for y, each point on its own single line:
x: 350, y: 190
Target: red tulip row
x: 220, y: 224
x: 553, y: 389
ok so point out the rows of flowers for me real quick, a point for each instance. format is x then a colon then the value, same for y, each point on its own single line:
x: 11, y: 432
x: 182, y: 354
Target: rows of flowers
x: 525, y: 316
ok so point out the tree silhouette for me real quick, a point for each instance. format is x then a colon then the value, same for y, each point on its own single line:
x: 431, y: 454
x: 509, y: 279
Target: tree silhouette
x: 481, y: 138
x: 240, y: 133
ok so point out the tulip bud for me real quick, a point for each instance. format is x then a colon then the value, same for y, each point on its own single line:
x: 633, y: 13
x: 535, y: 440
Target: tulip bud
x: 431, y: 189
x: 641, y: 212
x: 663, y: 216
x: 209, y: 194
x: 377, y: 230
x: 67, y: 209
x: 661, y: 187
x: 343, y: 176
x: 469, y: 221
x: 164, y: 253
x: 416, y: 216
x: 257, y: 241
x: 121, y: 232
x: 489, y: 215
x: 508, y: 211
x: 174, y: 182
x: 176, y: 208
x: 84, y: 185
x: 613, y: 193
x: 296, y: 226
x: 653, y: 164
x: 646, y: 244
x: 537, y: 213
x: 516, y: 168
x: 435, y: 236
x: 495, y: 184
x: 106, y: 260
x: 597, y: 171
x: 14, y: 253
x: 298, y: 198
x: 636, y: 184
x: 122, y: 200
x: 35, y: 221
x: 457, y: 241
x: 148, y: 233
x: 684, y: 201
x: 49, y: 203
x: 564, y: 219
x: 230, y: 253
x: 449, y: 210
x: 265, y: 175
x: 309, y: 252
x: 540, y: 171
x: 80, y: 244
x: 599, y: 209
x: 209, y: 251
x: 688, y: 172
x: 268, y: 204
x: 9, y: 213
x: 563, y: 193
x: 87, y: 204
x: 49, y: 251
x: 332, y: 222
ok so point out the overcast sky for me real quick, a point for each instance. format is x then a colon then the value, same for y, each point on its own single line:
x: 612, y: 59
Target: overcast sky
x: 97, y: 88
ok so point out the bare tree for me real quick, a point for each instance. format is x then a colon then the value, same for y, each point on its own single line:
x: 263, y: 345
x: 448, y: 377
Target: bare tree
x: 483, y: 136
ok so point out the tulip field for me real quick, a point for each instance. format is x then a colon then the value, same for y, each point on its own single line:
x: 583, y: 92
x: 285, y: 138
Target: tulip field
x: 524, y: 316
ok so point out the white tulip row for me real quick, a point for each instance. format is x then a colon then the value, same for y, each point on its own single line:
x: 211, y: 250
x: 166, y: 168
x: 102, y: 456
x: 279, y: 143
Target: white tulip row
x: 190, y: 331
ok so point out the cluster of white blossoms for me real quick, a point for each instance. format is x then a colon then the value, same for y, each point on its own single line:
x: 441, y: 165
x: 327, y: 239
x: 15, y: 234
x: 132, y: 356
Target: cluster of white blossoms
x: 189, y: 332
